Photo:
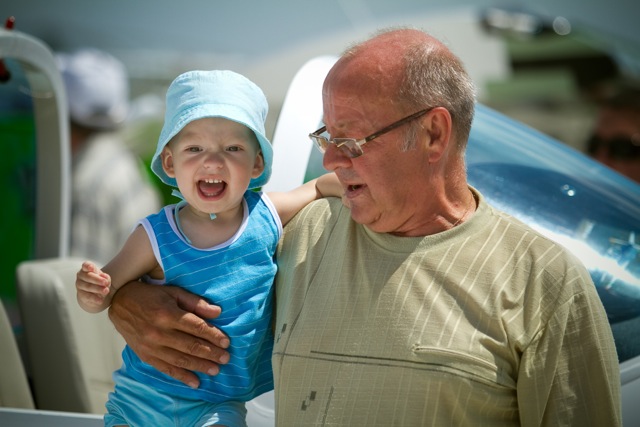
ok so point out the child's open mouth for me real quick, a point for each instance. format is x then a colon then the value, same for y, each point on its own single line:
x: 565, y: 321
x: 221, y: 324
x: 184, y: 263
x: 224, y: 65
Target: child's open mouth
x: 211, y: 187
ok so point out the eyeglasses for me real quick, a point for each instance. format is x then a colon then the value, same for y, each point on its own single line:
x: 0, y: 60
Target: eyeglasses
x: 621, y: 147
x: 353, y: 147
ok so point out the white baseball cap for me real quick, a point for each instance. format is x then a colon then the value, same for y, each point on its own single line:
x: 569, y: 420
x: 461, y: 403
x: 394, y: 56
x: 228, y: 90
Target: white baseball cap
x: 97, y: 88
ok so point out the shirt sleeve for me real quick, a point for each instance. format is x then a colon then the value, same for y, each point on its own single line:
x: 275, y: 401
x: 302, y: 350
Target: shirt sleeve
x: 569, y: 375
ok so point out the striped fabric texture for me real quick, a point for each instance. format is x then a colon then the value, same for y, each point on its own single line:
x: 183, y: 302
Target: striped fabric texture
x: 238, y: 276
x: 486, y: 324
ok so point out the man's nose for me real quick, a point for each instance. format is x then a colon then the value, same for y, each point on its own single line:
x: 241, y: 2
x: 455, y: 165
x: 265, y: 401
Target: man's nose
x: 334, y: 158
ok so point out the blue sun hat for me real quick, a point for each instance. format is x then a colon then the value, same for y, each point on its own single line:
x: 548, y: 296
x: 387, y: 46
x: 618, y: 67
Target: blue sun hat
x: 219, y: 93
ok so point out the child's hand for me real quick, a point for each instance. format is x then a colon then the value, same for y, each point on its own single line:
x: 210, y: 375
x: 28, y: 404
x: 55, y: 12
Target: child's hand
x: 93, y: 287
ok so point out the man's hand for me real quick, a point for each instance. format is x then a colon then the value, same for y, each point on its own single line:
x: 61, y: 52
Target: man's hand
x: 165, y: 327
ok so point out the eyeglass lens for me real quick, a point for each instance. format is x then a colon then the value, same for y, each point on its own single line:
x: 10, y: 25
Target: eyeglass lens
x: 347, y: 145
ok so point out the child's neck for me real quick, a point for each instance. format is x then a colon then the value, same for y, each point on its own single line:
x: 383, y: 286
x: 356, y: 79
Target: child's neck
x: 203, y: 232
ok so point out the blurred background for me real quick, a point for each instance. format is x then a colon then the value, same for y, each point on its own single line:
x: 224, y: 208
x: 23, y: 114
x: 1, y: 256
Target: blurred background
x: 543, y: 62
x: 539, y: 61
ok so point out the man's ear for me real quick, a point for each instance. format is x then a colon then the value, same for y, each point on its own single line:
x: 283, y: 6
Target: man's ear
x: 258, y: 166
x: 167, y: 162
x: 438, y: 126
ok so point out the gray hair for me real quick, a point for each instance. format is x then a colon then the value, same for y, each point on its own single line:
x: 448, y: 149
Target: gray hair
x: 433, y: 77
x: 436, y: 77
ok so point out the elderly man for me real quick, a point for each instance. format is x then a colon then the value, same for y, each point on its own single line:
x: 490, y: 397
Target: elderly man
x: 418, y: 303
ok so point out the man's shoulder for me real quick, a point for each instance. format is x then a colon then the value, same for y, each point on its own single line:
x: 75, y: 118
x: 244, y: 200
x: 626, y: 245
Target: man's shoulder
x: 320, y: 206
x: 523, y: 238
x: 319, y: 216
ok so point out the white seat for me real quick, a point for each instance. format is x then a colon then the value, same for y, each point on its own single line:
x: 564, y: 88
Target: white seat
x: 72, y: 354
x: 14, y: 385
x: 295, y: 160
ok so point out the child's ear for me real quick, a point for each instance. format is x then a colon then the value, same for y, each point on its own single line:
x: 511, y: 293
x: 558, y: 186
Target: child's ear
x: 258, y: 166
x: 167, y: 162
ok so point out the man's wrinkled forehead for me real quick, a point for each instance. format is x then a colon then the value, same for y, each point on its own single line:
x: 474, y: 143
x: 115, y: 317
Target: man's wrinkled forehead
x: 344, y: 106
x: 351, y: 105
x: 361, y: 75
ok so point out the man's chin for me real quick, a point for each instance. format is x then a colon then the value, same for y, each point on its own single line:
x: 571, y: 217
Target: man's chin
x: 346, y: 202
x: 361, y: 216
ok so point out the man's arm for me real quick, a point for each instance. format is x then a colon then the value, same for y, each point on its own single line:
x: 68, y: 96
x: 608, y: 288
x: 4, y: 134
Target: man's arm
x: 569, y: 374
x: 165, y: 327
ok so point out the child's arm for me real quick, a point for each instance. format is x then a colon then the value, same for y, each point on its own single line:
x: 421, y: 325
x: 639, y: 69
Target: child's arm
x: 96, y: 287
x: 290, y: 202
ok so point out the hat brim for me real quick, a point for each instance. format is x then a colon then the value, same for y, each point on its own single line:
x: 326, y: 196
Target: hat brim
x: 229, y: 112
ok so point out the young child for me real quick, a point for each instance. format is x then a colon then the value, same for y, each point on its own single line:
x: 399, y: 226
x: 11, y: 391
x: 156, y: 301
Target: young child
x: 218, y: 242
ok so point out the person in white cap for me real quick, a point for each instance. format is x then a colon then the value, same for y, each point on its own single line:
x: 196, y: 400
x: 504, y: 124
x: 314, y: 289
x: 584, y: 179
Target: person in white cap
x: 110, y: 190
x: 218, y: 242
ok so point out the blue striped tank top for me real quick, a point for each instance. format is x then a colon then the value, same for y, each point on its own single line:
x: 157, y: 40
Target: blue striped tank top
x: 236, y: 275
